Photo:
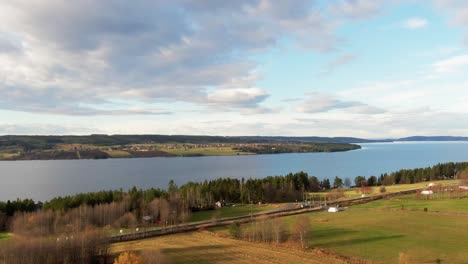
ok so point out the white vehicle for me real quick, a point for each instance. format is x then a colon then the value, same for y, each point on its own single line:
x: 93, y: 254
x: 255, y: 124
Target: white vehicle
x: 335, y: 209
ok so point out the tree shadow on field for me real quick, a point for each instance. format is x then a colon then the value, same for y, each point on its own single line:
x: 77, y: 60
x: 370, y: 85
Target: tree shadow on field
x: 201, y: 254
x: 331, y: 233
x: 340, y: 243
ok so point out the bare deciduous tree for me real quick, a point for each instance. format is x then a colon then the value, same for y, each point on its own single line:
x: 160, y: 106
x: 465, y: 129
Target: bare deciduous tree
x: 302, y: 230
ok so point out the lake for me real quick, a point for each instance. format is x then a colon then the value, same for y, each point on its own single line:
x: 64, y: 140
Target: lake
x: 42, y: 180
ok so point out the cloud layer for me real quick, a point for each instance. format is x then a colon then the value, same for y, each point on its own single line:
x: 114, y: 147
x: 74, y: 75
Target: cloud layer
x: 75, y: 57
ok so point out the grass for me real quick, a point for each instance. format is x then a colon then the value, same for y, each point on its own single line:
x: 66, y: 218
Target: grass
x: 117, y: 153
x: 223, y: 212
x: 381, y: 235
x: 410, y: 203
x: 354, y: 192
x: 7, y: 155
x: 4, y: 236
x: 205, y: 247
x: 73, y: 147
x: 207, y: 151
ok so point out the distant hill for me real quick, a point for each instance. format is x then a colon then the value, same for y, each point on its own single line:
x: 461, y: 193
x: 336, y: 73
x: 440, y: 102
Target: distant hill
x: 315, y: 139
x: 34, y: 142
x: 433, y: 138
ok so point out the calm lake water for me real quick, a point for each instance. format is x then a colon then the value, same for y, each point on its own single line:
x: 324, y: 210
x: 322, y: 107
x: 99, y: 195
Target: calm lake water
x: 42, y: 180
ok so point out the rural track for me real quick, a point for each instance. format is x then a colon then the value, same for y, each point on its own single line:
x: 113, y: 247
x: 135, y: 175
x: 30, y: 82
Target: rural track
x: 155, y: 232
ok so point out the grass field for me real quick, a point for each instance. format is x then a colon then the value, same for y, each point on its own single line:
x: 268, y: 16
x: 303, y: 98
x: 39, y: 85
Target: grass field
x: 4, y: 236
x: 208, y: 151
x: 354, y: 192
x: 373, y: 232
x: 7, y: 155
x: 205, y: 247
x: 379, y: 231
x: 117, y: 153
x: 410, y: 203
x: 239, y: 210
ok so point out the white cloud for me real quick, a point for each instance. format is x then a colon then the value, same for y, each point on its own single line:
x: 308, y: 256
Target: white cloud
x: 341, y: 60
x: 45, y: 129
x: 241, y: 97
x: 416, y: 23
x: 319, y: 102
x: 456, y: 11
x: 95, y: 52
x: 451, y: 65
x: 357, y: 9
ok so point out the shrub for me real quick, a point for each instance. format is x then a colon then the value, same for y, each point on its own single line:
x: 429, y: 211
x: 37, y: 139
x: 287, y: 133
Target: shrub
x: 235, y: 230
x: 128, y: 258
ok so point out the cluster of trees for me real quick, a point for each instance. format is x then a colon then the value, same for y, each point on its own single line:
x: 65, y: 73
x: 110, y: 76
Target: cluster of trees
x: 137, y: 203
x: 82, y: 247
x: 297, y: 148
x: 270, y: 189
x: 273, y: 230
x: 440, y: 171
x: 9, y: 208
x: 47, y: 142
x: 148, y: 256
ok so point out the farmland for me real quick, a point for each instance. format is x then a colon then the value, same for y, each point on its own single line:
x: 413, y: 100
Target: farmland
x: 4, y: 236
x: 103, y: 147
x: 376, y: 232
x: 230, y: 212
x: 381, y: 230
x: 408, y: 202
x: 206, y: 247
x: 355, y: 192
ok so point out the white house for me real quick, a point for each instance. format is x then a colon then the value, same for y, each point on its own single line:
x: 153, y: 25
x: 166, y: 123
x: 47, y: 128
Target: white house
x: 427, y: 192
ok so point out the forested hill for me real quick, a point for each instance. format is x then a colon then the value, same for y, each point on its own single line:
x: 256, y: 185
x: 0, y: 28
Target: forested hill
x: 106, y: 140
x: 316, y: 139
x: 433, y: 138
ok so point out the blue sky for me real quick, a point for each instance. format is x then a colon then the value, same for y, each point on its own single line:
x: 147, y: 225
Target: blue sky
x: 364, y: 68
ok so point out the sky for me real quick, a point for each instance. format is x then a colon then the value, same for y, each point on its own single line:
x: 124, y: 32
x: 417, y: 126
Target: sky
x: 362, y: 68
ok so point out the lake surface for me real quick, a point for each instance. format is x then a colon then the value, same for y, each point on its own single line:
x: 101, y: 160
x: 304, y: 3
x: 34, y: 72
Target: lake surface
x: 42, y: 180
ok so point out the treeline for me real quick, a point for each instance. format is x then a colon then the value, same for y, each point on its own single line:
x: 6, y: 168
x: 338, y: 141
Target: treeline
x: 85, y: 247
x: 274, y: 230
x: 134, y: 196
x: 47, y: 142
x: 297, y: 148
x: 270, y: 189
x: 104, y: 208
x: 203, y: 195
x: 440, y: 171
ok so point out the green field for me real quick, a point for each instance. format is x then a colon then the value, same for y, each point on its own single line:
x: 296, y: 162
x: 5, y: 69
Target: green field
x: 4, y: 236
x: 204, y: 247
x: 223, y: 212
x: 408, y: 202
x: 373, y: 232
x: 208, y: 151
x: 355, y: 193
